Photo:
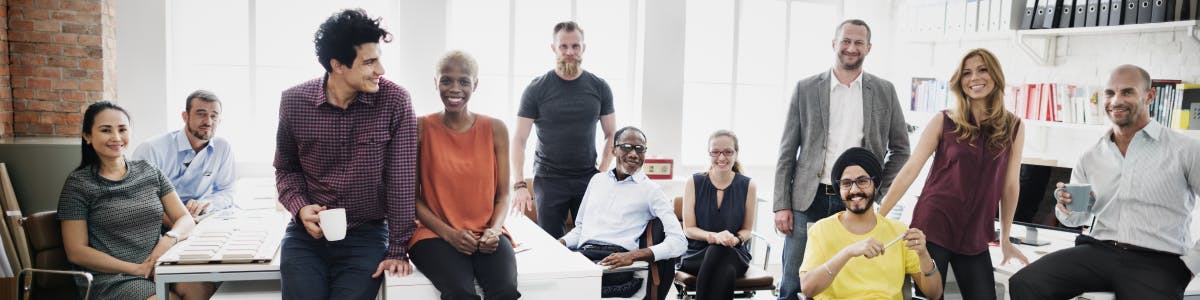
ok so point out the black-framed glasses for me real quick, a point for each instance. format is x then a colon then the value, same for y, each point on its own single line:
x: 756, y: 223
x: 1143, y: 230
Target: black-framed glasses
x: 862, y: 182
x: 631, y: 147
x: 726, y: 153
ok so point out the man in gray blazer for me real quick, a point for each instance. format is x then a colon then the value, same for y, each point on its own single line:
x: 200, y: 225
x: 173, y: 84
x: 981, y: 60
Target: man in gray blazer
x: 832, y: 111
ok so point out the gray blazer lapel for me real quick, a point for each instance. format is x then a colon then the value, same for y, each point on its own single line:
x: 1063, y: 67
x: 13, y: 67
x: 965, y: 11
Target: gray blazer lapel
x: 823, y: 105
x: 870, y: 109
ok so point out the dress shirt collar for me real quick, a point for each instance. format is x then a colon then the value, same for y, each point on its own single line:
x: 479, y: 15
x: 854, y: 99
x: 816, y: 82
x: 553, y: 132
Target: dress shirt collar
x: 323, y: 98
x: 183, y: 144
x: 1153, y: 130
x: 833, y: 80
x: 637, y: 176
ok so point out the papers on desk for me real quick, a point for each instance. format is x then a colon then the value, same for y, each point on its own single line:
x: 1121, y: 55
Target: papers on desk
x: 240, y: 237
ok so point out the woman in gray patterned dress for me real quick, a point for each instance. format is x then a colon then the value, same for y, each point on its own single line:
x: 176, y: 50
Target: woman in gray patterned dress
x: 111, y: 209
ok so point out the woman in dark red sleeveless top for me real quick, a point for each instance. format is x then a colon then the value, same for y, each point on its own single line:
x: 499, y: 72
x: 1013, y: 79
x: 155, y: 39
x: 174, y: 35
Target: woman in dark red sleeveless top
x: 974, y: 174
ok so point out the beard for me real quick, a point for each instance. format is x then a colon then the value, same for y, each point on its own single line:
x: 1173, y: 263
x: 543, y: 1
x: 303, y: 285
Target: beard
x: 200, y: 134
x: 1130, y: 113
x: 569, y: 68
x: 850, y: 65
x: 865, y: 208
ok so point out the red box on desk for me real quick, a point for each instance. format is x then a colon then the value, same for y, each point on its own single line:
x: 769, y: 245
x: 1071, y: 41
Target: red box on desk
x: 659, y: 168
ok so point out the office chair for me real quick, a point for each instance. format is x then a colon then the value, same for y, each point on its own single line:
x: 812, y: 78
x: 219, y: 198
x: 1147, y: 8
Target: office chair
x: 752, y: 281
x: 44, y: 236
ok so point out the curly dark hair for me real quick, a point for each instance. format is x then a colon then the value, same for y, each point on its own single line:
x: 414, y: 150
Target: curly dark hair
x: 342, y: 32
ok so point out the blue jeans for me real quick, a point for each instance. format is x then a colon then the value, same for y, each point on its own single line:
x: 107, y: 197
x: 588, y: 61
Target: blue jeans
x: 319, y: 269
x: 793, y: 244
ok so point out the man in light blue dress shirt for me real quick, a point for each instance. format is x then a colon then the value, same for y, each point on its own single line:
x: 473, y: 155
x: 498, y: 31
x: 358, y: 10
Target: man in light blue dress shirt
x: 616, y: 209
x: 1144, y: 179
x: 199, y: 164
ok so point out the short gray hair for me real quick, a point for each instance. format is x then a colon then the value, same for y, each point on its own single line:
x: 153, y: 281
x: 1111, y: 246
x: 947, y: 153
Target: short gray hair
x: 858, y: 22
x: 205, y: 95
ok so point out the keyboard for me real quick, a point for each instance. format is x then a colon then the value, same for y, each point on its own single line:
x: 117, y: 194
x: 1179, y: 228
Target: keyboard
x: 248, y: 236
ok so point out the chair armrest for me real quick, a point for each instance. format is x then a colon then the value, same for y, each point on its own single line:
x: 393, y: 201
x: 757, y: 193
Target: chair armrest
x: 21, y: 279
x: 767, y: 255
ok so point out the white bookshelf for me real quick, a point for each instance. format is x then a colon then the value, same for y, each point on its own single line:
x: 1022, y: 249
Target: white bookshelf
x: 1043, y: 51
x: 1047, y: 143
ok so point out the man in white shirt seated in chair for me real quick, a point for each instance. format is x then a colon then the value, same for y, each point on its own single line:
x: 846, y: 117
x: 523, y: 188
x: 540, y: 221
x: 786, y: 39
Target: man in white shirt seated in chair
x: 1144, y: 179
x: 616, y: 209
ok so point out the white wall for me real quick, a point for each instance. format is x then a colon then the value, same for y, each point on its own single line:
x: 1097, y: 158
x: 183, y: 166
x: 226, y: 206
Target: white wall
x: 141, y: 28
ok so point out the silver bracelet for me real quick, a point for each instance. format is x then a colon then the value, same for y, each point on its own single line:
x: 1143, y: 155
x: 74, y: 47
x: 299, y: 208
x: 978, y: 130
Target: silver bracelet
x: 933, y: 270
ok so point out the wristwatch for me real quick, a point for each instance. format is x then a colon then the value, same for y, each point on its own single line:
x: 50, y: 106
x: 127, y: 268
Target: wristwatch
x: 173, y: 235
x: 520, y: 185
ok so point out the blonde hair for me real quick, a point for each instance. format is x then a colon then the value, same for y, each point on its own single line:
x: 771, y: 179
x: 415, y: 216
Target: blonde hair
x: 458, y: 58
x: 998, y: 122
x: 737, y: 166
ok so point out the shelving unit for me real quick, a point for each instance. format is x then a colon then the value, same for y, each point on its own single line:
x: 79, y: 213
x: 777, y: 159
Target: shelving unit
x: 963, y: 37
x: 1050, y: 135
x: 1043, y: 53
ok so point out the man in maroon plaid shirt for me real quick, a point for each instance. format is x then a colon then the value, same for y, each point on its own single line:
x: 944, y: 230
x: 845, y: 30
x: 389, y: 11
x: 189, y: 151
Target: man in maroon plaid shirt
x: 346, y: 140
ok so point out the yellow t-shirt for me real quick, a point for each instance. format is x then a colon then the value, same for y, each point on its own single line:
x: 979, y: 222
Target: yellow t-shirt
x: 881, y: 277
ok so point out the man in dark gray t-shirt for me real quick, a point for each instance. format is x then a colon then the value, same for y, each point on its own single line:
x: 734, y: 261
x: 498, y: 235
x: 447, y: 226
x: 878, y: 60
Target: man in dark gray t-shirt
x: 565, y: 104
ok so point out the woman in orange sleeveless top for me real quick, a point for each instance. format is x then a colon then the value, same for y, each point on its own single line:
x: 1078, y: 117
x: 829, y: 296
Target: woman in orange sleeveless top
x: 463, y: 195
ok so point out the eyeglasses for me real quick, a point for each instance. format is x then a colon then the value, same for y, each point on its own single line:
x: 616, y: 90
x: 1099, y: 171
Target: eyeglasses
x: 631, y: 147
x: 862, y: 182
x: 726, y: 153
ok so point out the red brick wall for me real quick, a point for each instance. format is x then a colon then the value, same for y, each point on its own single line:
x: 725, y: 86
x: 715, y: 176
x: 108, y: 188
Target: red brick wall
x: 6, y: 100
x: 61, y: 57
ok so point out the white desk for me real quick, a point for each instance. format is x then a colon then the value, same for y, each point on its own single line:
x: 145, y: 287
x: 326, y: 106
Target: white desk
x: 548, y: 270
x: 1058, y: 240
x: 170, y: 273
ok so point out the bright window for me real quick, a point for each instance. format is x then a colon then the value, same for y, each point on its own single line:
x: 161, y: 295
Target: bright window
x: 248, y: 52
x: 742, y: 61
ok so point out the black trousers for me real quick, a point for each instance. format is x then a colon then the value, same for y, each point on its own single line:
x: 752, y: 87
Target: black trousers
x: 555, y: 198
x: 973, y: 273
x: 715, y: 271
x: 666, y: 267
x: 1095, y: 266
x: 454, y: 274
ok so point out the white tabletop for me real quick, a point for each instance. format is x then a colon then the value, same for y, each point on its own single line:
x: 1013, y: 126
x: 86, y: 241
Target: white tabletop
x: 545, y: 259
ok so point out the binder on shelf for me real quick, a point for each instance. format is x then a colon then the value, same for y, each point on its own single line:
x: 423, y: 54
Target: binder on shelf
x: 1162, y: 11
x: 1103, y: 14
x: 1093, y: 13
x: 984, y: 24
x: 1039, y: 15
x: 1185, y: 10
x: 1066, y: 13
x: 955, y: 16
x: 971, y: 20
x: 1144, y: 11
x: 1028, y: 15
x: 1003, y: 13
x: 1052, y: 13
x: 1080, y: 18
x: 937, y: 19
x: 1115, y: 9
x: 1130, y: 16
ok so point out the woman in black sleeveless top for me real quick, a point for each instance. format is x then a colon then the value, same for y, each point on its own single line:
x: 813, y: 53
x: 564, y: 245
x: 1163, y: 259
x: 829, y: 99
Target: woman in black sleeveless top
x: 718, y: 214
